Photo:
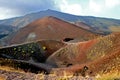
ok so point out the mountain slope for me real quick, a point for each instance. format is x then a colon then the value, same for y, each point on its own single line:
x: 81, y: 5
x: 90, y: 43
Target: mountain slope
x: 83, y: 52
x: 88, y: 27
x: 5, y: 30
x: 95, y: 22
x: 50, y: 28
x: 37, y: 51
x: 107, y: 65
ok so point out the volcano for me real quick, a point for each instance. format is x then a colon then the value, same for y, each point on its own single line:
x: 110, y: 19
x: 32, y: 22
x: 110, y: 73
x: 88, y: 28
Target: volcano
x: 50, y: 28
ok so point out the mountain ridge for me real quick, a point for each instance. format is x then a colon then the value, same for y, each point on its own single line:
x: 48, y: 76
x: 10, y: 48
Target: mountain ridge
x: 100, y: 23
x: 50, y: 28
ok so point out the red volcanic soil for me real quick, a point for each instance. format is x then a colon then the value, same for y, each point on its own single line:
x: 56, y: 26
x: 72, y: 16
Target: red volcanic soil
x: 106, y: 64
x: 83, y: 52
x: 51, y: 46
x: 105, y: 60
x: 88, y: 27
x: 75, y: 53
x: 84, y: 25
x: 50, y: 28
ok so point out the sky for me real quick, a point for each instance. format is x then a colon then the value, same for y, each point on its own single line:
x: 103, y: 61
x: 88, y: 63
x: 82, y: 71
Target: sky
x: 98, y: 8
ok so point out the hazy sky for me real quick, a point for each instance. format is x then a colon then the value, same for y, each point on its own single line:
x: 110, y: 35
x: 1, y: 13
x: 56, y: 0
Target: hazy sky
x: 99, y: 8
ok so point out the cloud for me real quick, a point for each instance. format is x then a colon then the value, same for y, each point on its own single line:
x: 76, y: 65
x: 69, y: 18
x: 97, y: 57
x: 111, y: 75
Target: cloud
x: 22, y: 7
x: 101, y: 8
x: 6, y: 13
x: 112, y: 3
x: 95, y: 6
x: 65, y: 6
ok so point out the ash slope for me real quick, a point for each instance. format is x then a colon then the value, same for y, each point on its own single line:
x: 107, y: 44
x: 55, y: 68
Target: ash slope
x: 102, y: 24
x: 50, y: 28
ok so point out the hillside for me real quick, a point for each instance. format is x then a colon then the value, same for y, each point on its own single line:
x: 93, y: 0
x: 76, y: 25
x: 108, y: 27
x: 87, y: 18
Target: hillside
x: 83, y: 52
x: 38, y: 51
x: 83, y: 25
x: 49, y: 28
x: 5, y: 30
x: 88, y: 27
x: 107, y: 67
x: 96, y: 57
x: 102, y: 24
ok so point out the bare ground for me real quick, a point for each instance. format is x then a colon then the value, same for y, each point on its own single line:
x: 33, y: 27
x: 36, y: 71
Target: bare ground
x: 7, y: 75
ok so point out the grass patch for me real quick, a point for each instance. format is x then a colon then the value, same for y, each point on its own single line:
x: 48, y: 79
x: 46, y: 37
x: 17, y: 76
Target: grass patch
x: 6, y: 68
x: 2, y: 78
x: 115, y: 28
x: 110, y: 76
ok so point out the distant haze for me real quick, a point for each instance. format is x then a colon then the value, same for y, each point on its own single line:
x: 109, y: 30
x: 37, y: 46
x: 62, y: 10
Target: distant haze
x: 99, y: 8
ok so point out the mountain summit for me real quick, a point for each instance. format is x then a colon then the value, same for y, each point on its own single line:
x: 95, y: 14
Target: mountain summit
x: 103, y: 24
x: 50, y: 28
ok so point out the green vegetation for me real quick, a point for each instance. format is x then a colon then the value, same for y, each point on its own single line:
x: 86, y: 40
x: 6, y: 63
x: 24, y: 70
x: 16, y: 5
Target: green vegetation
x: 24, y: 52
